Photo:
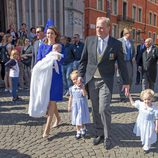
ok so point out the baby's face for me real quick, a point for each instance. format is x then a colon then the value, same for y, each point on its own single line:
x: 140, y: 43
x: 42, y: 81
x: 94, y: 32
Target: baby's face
x: 57, y: 48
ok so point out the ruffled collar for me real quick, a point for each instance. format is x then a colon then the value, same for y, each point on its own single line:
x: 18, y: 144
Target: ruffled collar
x: 76, y: 87
x: 148, y: 108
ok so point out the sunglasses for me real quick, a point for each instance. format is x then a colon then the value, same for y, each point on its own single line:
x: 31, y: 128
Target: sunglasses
x: 38, y: 31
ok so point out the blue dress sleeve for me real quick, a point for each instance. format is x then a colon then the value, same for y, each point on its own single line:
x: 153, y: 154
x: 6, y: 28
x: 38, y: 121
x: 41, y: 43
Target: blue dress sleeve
x: 156, y: 113
x: 70, y: 91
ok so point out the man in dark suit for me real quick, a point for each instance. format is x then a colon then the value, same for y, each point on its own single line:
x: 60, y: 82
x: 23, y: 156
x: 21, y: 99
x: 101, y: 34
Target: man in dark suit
x: 37, y: 43
x: 140, y: 49
x: 150, y: 58
x: 77, y: 50
x: 97, y: 68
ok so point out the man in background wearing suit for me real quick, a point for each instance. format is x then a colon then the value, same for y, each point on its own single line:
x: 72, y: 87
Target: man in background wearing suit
x: 140, y: 49
x: 96, y: 70
x: 150, y: 58
x: 37, y: 43
x: 129, y: 58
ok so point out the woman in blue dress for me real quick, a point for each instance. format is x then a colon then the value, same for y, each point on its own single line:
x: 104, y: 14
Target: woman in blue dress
x: 56, y: 90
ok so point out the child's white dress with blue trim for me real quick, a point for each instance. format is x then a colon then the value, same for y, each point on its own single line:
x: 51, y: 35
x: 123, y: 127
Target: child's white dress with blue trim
x: 80, y: 112
x: 145, y: 124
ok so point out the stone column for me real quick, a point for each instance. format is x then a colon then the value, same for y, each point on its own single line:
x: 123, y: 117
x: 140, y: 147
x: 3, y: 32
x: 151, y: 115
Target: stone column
x: 10, y: 13
x: 48, y: 9
x: 24, y: 11
x: 54, y: 12
x: 62, y: 17
x: 36, y: 12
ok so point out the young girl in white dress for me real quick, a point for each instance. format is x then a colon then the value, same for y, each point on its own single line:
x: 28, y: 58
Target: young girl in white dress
x: 78, y: 106
x: 146, y: 125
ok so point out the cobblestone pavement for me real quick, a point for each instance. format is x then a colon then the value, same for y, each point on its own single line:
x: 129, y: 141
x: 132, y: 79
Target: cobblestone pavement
x: 21, y: 135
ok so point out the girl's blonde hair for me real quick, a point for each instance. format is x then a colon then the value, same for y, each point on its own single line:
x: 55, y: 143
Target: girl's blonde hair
x: 13, y: 53
x: 75, y: 72
x: 149, y: 92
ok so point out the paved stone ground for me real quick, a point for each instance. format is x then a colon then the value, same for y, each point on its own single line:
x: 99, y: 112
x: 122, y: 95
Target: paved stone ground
x: 21, y: 135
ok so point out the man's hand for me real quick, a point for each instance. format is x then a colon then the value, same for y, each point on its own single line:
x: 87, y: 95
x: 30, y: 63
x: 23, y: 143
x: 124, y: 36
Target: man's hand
x: 139, y: 68
x: 80, y: 81
x: 126, y: 89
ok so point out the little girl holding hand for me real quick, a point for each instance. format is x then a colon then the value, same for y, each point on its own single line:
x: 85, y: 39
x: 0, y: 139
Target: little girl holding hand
x: 78, y: 106
x: 146, y: 125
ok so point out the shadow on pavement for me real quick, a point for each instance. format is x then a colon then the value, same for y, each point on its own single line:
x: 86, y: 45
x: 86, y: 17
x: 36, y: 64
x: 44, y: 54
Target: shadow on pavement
x: 12, y: 154
x: 2, y: 109
x: 61, y: 135
x: 121, y: 109
x: 9, y: 103
x: 21, y: 119
x: 89, y: 134
x: 123, y: 136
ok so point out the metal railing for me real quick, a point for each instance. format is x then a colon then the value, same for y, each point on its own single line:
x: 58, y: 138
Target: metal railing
x: 125, y: 18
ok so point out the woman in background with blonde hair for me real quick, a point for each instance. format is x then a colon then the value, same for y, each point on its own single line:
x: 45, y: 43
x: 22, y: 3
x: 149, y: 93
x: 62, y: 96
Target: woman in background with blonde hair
x: 6, y: 43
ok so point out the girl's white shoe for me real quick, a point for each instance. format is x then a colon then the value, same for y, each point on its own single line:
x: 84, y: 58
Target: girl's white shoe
x: 78, y: 135
x: 83, y: 132
x: 146, y: 148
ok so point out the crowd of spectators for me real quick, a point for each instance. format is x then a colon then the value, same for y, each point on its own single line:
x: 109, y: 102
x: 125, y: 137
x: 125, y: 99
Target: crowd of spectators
x: 26, y: 42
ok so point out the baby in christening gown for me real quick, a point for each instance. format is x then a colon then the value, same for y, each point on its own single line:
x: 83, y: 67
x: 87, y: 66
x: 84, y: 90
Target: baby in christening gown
x: 55, y: 53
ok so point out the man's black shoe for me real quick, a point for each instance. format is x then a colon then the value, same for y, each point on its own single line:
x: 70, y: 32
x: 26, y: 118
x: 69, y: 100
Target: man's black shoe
x: 97, y: 140
x: 146, y: 151
x: 107, y: 144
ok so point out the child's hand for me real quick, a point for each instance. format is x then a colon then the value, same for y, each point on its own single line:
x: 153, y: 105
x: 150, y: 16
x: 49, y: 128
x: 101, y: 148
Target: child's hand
x: 156, y: 129
x: 79, y: 84
x: 129, y: 95
x: 69, y: 108
x: 58, y: 57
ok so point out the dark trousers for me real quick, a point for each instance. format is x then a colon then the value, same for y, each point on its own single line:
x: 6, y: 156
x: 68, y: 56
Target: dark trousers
x: 100, y: 96
x: 15, y: 81
x: 138, y: 76
x: 130, y: 75
x: 147, y: 82
x: 2, y: 70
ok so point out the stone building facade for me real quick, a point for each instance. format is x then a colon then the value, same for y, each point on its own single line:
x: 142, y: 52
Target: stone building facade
x: 68, y: 15
x: 140, y: 15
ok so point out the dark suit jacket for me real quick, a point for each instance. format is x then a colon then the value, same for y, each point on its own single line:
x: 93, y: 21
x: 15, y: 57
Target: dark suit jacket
x: 124, y: 47
x: 34, y: 53
x: 139, y: 55
x: 150, y: 63
x: 112, y: 53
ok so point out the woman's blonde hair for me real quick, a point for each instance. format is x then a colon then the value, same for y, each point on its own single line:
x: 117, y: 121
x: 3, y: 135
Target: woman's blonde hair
x: 75, y: 72
x: 13, y: 53
x: 149, y: 92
